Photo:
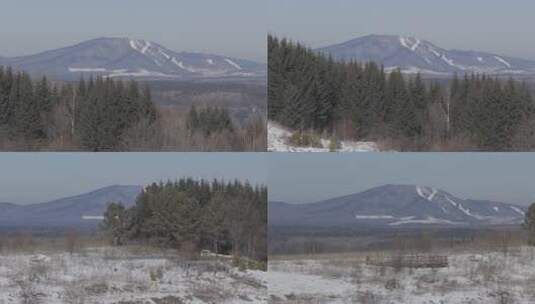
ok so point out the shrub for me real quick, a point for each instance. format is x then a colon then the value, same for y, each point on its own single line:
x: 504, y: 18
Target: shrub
x: 156, y: 275
x: 334, y: 144
x: 392, y: 284
x: 245, y: 263
x: 305, y: 139
x: 73, y: 294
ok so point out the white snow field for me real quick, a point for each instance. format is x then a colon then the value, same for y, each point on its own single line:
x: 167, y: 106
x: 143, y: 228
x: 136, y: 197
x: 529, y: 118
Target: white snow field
x: 278, y: 142
x: 110, y: 275
x: 470, y: 278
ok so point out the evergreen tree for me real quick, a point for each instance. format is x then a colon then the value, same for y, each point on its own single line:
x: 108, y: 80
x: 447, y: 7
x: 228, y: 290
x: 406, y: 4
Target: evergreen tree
x: 529, y: 224
x: 309, y: 90
x: 220, y: 216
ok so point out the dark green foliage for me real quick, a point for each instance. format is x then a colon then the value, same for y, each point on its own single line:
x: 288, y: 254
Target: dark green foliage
x: 489, y: 111
x: 116, y: 222
x: 6, y: 82
x: 305, y: 139
x: 98, y: 112
x: 222, y: 217
x: 529, y: 224
x: 307, y: 90
x: 209, y: 120
x: 105, y: 109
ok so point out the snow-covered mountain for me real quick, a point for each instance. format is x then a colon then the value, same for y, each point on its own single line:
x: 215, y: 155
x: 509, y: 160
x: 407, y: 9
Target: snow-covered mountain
x: 124, y: 57
x: 396, y: 206
x: 81, y: 211
x: 413, y: 55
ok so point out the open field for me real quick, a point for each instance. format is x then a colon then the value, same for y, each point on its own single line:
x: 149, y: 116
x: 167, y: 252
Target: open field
x: 472, y: 276
x: 125, y: 275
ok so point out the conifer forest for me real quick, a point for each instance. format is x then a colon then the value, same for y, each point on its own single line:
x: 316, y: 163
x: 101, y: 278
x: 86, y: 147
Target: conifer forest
x: 309, y: 91
x: 104, y: 114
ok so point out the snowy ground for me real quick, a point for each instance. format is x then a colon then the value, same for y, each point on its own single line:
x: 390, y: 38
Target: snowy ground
x: 111, y: 276
x: 278, y: 135
x: 470, y: 279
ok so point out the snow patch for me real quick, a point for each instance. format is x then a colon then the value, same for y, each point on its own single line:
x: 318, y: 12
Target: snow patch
x: 318, y: 280
x: 451, y: 202
x: 496, y: 209
x: 138, y: 73
x: 181, y: 65
x: 480, y: 59
x: 164, y: 54
x: 210, y: 61
x: 503, y: 61
x: 278, y: 138
x: 74, y: 70
x: 413, y: 70
x: 432, y: 50
x: 232, y: 63
x: 373, y: 217
x: 432, y: 195
x: 92, y: 217
x: 140, y: 45
x: 451, y: 63
x: 427, y: 220
x: 406, y: 42
x: 517, y: 210
x: 127, y: 275
x: 285, y: 283
x: 465, y: 210
x: 415, y: 46
x: 426, y: 193
x: 133, y: 44
x: 145, y: 47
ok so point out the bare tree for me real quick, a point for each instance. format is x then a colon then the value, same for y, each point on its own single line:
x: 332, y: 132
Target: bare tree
x: 71, y: 241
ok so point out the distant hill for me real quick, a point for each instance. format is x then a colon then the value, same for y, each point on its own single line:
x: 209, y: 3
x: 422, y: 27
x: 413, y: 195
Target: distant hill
x: 396, y: 206
x: 131, y: 58
x: 413, y: 55
x: 78, y: 212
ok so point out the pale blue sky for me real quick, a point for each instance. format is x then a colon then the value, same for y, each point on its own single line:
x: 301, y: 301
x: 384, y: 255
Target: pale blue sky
x: 231, y: 27
x: 310, y: 177
x: 40, y: 177
x: 499, y: 26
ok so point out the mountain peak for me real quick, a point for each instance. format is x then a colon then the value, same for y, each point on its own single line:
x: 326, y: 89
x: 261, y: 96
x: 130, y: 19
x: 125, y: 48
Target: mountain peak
x: 415, y: 55
x: 131, y: 57
x: 71, y: 212
x: 394, y: 205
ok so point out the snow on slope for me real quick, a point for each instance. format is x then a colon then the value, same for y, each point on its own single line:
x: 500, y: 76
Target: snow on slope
x: 125, y: 57
x: 412, y: 55
x: 396, y: 205
x: 518, y: 210
x: 427, y: 220
x: 278, y: 138
x: 232, y: 63
x: 426, y: 193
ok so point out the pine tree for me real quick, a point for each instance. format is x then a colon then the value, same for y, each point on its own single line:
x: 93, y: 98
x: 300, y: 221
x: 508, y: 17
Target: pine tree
x: 116, y: 222
x: 529, y: 224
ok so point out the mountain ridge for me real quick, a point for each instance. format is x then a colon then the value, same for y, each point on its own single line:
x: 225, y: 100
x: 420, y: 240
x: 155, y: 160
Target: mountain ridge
x: 123, y: 57
x: 77, y: 212
x: 413, y: 55
x: 396, y: 206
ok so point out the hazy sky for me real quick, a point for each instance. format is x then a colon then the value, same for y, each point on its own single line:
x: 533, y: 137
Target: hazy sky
x: 503, y: 27
x: 40, y: 177
x: 231, y: 27
x: 310, y: 177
